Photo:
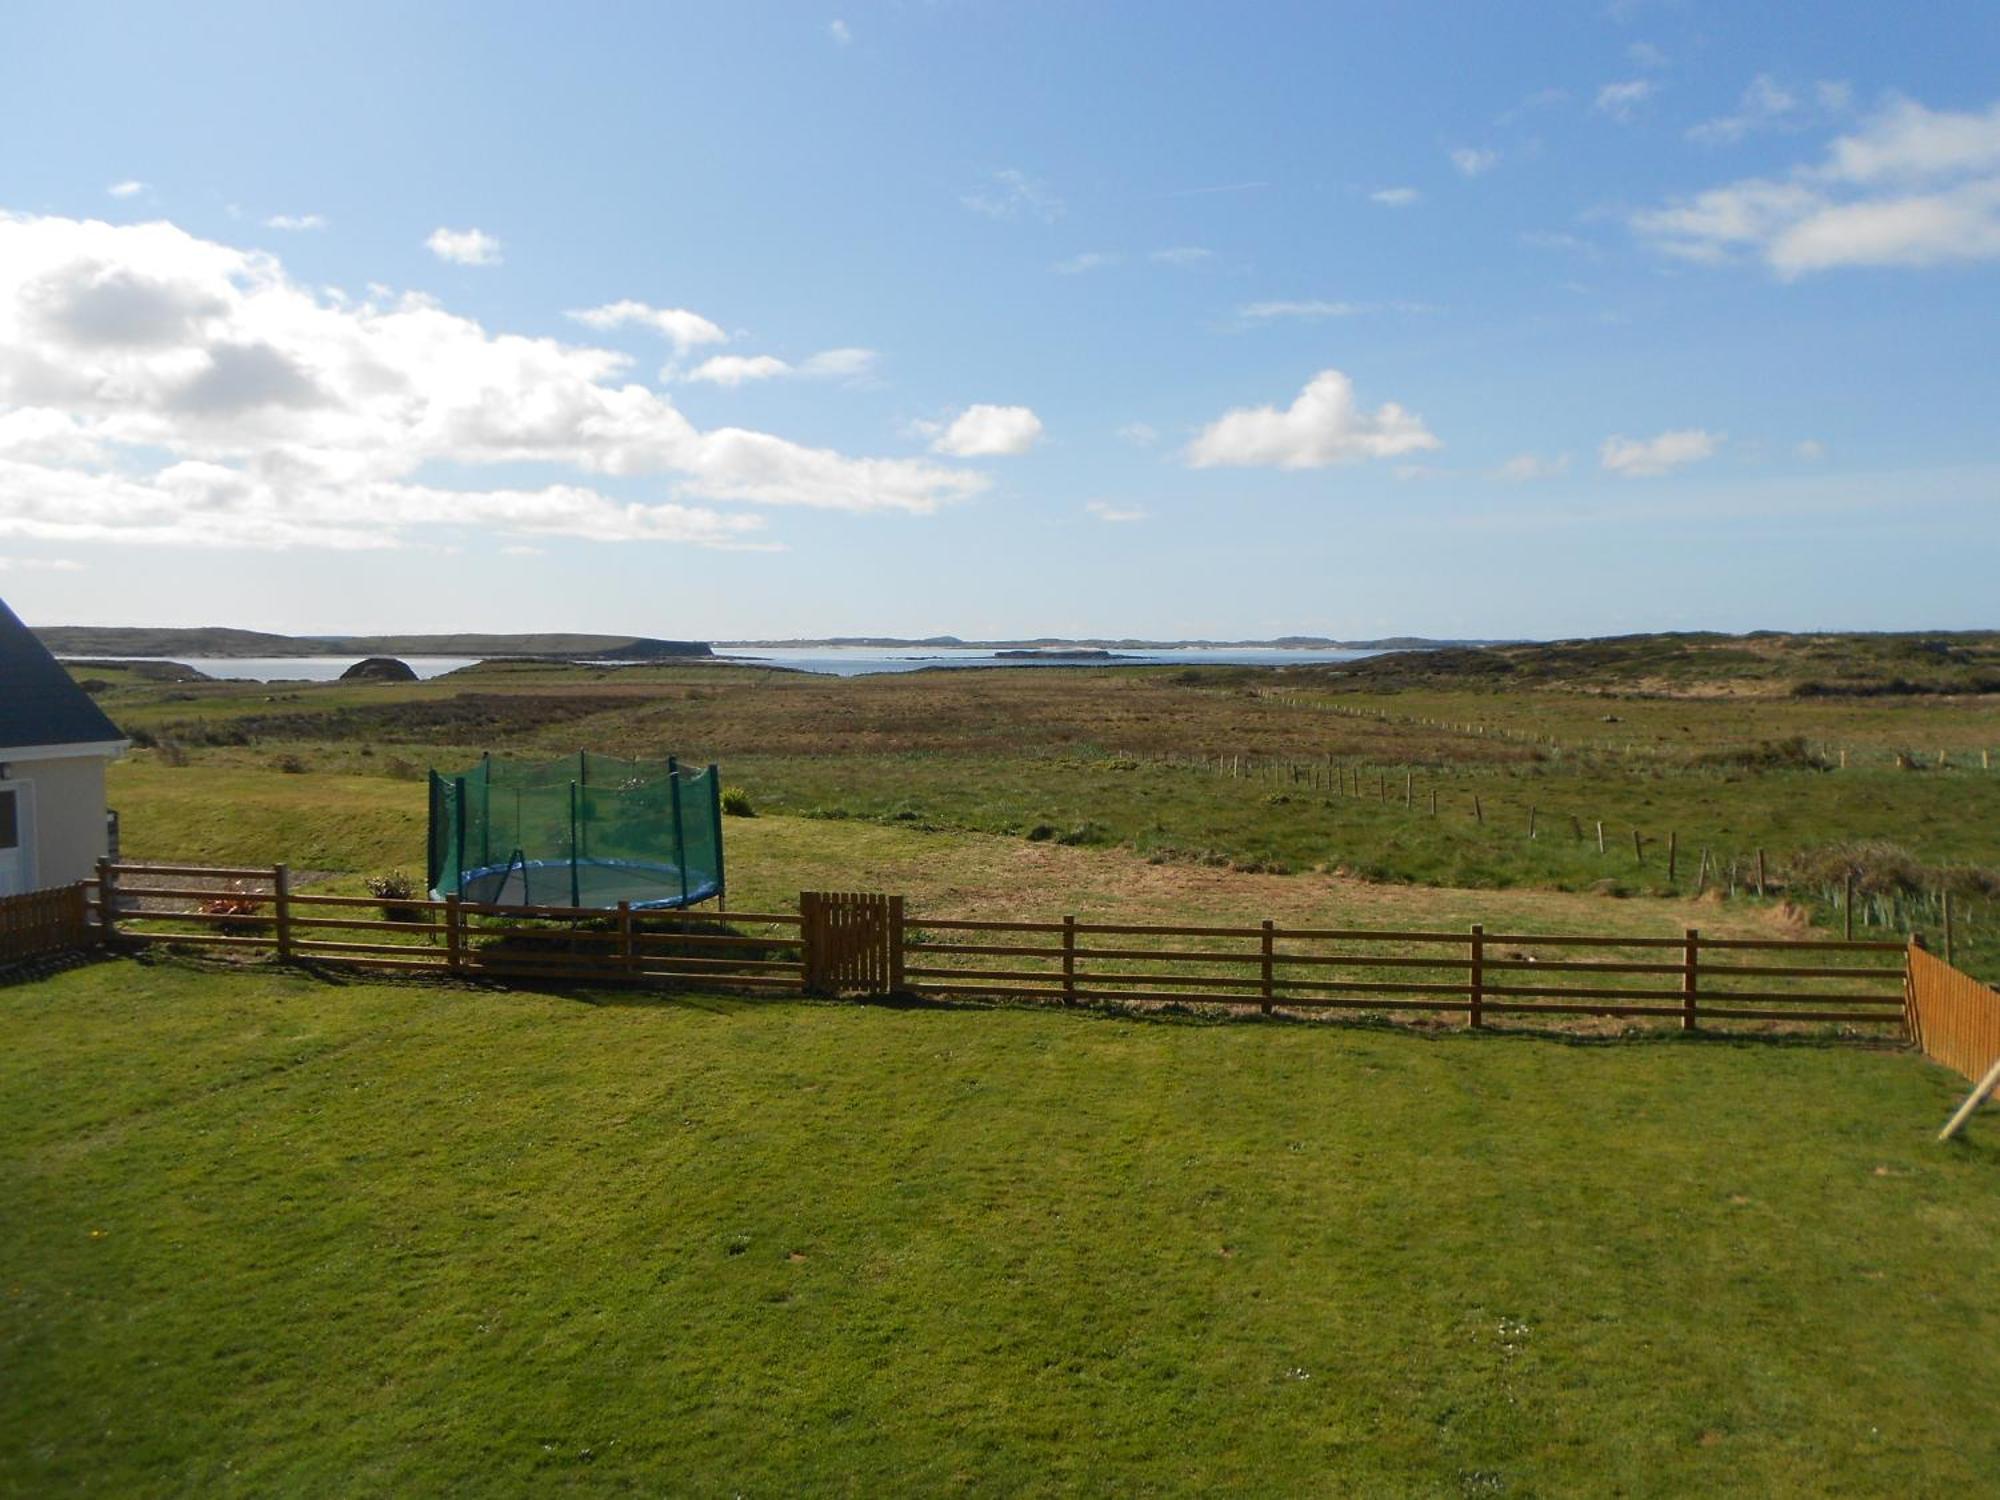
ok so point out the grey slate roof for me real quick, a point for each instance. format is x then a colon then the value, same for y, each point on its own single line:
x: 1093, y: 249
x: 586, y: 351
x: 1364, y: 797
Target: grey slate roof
x: 40, y: 703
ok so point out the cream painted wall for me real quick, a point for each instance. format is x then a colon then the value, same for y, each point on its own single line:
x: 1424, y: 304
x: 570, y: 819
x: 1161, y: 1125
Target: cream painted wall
x: 69, y: 834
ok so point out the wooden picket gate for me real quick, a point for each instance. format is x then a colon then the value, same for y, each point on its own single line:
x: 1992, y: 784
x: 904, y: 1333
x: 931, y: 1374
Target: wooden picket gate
x: 853, y: 942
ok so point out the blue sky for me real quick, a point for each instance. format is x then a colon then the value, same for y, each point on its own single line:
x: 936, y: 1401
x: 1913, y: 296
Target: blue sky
x: 1170, y: 320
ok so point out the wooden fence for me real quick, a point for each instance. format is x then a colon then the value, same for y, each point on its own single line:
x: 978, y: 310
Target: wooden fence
x: 1952, y: 1016
x: 868, y: 944
x: 40, y: 924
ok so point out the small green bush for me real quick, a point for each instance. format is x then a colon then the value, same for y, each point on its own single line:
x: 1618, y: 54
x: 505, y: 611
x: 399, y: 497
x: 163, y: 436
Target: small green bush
x: 394, y: 890
x: 736, y: 803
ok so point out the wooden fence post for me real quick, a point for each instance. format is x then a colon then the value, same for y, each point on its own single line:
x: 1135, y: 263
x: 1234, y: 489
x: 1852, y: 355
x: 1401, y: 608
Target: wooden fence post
x: 1269, y: 987
x: 1638, y: 848
x: 896, y: 945
x: 1673, y: 853
x: 454, y: 934
x: 1532, y: 811
x: 281, y: 910
x: 1069, y: 960
x: 1760, y: 872
x: 812, y: 944
x: 1476, y: 997
x: 1478, y: 812
x: 107, y: 900
x: 1690, y: 979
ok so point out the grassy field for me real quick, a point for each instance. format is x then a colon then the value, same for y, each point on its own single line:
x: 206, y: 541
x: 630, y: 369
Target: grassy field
x: 263, y: 1234
x: 1146, y: 762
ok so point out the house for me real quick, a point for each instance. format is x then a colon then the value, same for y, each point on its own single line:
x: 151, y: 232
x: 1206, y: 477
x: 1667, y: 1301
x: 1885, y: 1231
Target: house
x: 54, y: 746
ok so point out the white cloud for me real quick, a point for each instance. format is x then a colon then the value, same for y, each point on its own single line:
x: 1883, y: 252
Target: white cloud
x: 1395, y: 197
x: 1322, y: 426
x: 1313, y: 310
x: 1139, y: 434
x: 1184, y: 256
x: 1089, y: 260
x: 1811, y: 451
x: 1621, y: 101
x: 1011, y: 194
x: 989, y: 432
x: 159, y: 387
x: 741, y: 369
x: 1104, y: 510
x: 464, y: 247
x: 1524, y: 468
x: 1473, y: 160
x: 1646, y: 55
x: 840, y: 364
x: 683, y: 329
x: 295, y: 221
x: 1647, y: 458
x: 1768, y: 104
x: 840, y: 32
x: 1911, y: 187
x: 131, y: 187
x: 40, y: 565
x: 518, y: 551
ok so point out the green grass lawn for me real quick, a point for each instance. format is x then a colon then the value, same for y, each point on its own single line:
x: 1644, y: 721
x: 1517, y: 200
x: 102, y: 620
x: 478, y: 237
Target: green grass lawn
x: 261, y: 1233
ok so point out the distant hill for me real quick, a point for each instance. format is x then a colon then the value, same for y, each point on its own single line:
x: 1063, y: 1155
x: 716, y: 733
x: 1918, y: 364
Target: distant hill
x: 1099, y: 643
x: 1703, y: 664
x: 112, y: 641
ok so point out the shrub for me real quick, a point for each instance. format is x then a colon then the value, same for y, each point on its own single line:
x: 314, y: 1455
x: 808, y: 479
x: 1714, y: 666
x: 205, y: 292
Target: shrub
x: 292, y: 765
x: 736, y: 803
x: 395, y: 890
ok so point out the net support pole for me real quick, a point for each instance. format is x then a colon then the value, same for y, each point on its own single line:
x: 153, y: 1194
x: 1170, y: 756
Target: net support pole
x: 458, y: 847
x: 715, y: 812
x: 575, y: 890
x: 485, y: 810
x: 680, y: 831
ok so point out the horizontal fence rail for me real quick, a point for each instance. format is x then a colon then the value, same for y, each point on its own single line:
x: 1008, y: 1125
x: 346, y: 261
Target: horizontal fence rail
x: 868, y: 944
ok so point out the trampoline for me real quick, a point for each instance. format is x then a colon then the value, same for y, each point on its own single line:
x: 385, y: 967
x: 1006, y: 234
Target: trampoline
x: 586, y: 830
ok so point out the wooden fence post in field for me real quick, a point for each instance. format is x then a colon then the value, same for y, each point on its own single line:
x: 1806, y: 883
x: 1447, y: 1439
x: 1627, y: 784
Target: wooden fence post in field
x: 1434, y: 802
x: 1701, y: 872
x: 1638, y: 848
x: 1069, y: 960
x: 1673, y: 851
x: 1532, y: 810
x: 1269, y: 990
x: 1409, y: 788
x: 1600, y: 835
x: 1476, y: 983
x: 1760, y: 872
x: 107, y: 900
x: 1478, y: 812
x: 897, y: 931
x: 281, y: 910
x: 1690, y: 982
x: 454, y: 934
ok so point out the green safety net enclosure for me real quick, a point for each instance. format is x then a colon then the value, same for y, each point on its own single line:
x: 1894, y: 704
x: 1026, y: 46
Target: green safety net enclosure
x: 587, y: 830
